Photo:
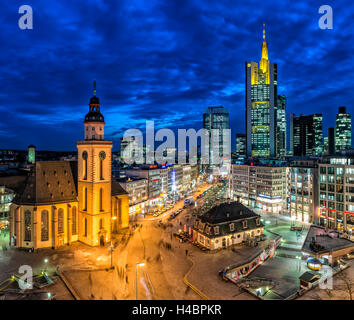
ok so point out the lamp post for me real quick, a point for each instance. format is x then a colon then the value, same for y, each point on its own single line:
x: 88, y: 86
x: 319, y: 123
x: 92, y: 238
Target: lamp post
x: 46, y: 262
x: 141, y: 264
x: 113, y: 218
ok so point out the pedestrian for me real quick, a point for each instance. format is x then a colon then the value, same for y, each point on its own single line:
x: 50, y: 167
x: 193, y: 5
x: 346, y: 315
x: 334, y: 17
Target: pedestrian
x: 186, y: 252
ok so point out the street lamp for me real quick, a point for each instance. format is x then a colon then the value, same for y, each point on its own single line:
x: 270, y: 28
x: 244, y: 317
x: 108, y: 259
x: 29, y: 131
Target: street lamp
x: 141, y: 264
x: 113, y: 218
x: 45, y: 261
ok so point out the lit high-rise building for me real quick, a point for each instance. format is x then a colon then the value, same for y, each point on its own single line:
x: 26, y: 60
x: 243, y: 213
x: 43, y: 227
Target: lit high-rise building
x: 261, y: 101
x: 306, y: 139
x: 281, y: 126
x: 217, y: 118
x: 343, y: 130
x: 240, y: 144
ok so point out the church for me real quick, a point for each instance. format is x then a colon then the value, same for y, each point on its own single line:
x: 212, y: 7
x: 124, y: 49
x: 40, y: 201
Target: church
x: 66, y: 201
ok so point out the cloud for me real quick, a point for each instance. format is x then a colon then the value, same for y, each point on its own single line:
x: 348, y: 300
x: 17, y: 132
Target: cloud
x: 165, y: 61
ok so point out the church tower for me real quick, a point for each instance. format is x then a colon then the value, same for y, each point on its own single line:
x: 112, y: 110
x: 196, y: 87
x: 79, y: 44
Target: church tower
x: 94, y: 178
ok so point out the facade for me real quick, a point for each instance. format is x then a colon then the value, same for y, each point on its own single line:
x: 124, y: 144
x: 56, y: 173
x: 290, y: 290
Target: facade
x: 331, y: 141
x: 303, y: 191
x: 260, y: 187
x: 336, y: 193
x: 217, y: 118
x: 281, y: 126
x: 307, y: 138
x: 325, y: 145
x: 225, y: 225
x: 343, y: 130
x: 137, y: 189
x: 66, y: 201
x: 241, y: 144
x: 6, y: 197
x: 261, y: 103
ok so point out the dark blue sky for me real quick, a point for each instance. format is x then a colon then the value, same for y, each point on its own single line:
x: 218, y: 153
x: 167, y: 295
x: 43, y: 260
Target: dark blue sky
x: 162, y: 60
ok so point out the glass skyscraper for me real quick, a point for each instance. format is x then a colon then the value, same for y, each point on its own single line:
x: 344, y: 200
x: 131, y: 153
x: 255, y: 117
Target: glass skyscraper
x: 217, y: 118
x: 343, y: 130
x: 281, y: 126
x: 261, y: 101
x: 240, y: 144
x: 306, y: 135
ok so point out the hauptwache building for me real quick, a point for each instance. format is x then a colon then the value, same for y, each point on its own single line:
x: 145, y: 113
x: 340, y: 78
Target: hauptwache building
x: 63, y: 201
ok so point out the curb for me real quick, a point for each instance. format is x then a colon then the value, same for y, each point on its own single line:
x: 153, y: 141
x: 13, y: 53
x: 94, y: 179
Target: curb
x: 186, y: 282
x: 68, y: 285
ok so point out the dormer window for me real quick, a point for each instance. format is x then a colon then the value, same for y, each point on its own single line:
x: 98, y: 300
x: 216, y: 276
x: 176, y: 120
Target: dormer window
x: 216, y: 230
x: 232, y: 227
x: 244, y: 224
x: 258, y: 222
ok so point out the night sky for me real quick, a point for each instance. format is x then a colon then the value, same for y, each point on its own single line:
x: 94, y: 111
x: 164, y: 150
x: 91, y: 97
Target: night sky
x: 162, y: 60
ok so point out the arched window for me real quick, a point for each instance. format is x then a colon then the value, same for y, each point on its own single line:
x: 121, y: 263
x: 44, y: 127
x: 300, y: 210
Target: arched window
x: 84, y: 165
x: 101, y: 199
x: 73, y: 221
x: 102, y: 157
x: 85, y: 199
x: 44, y: 226
x: 60, y: 221
x: 28, y: 226
x: 85, y: 228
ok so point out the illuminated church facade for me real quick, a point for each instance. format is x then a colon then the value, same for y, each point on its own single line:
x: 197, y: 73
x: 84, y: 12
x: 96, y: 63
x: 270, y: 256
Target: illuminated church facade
x: 66, y: 201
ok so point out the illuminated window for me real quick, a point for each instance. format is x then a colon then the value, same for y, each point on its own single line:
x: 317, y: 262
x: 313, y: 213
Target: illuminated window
x: 73, y: 221
x: 61, y: 221
x: 28, y: 226
x: 44, y: 226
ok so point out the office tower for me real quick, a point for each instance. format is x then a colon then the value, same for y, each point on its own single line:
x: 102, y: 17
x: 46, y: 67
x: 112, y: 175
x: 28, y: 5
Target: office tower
x: 217, y: 118
x: 343, y: 130
x: 31, y: 154
x: 307, y: 135
x: 331, y: 141
x: 240, y: 144
x: 261, y: 100
x: 291, y: 150
x: 325, y: 145
x: 281, y: 125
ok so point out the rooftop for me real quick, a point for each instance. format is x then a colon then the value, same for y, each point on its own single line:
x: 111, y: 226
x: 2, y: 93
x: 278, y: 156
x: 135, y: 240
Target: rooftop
x: 326, y: 241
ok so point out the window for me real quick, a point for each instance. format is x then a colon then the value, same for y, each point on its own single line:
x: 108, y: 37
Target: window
x: 102, y: 157
x: 61, y: 221
x: 84, y: 165
x: 44, y: 225
x: 244, y: 224
x: 85, y: 227
x: 258, y: 222
x: 216, y: 230
x: 101, y: 224
x: 28, y: 226
x: 73, y: 221
x: 85, y: 199
x: 330, y: 170
x: 232, y: 226
x: 101, y: 199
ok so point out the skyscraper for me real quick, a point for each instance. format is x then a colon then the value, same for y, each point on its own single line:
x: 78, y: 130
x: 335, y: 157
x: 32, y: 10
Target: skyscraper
x: 261, y: 100
x: 240, y: 144
x: 281, y: 126
x: 343, y: 130
x: 331, y: 141
x: 307, y: 139
x: 217, y: 118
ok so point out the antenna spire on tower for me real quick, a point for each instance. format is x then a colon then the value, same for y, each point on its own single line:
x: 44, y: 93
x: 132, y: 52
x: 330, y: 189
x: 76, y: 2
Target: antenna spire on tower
x: 94, y: 87
x: 263, y: 31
